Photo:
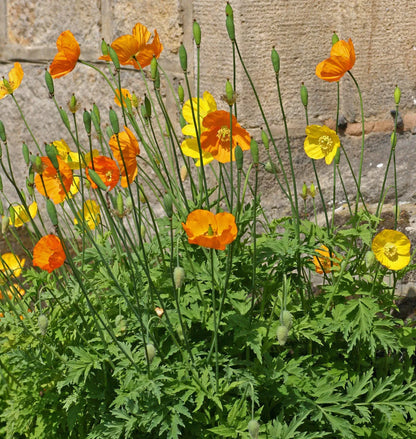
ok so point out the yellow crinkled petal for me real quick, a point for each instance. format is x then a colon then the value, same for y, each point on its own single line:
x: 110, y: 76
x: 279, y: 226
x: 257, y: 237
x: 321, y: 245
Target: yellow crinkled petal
x: 190, y: 149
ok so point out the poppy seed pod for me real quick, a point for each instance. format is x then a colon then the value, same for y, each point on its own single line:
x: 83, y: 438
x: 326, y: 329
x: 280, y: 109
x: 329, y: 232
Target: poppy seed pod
x: 304, y: 193
x: 12, y: 214
x: 104, y: 47
x: 253, y: 428
x: 148, y: 106
x: 183, y: 58
x: 312, y: 190
x: 397, y: 95
x: 150, y: 352
x: 196, y: 29
x: 282, y: 334
x: 270, y: 167
x: 184, y: 172
x: 178, y: 276
x: 49, y: 83
x: 73, y: 104
x: 229, y: 92
x: 167, y: 204
x: 239, y: 157
x: 51, y: 153
x: 114, y: 121
x: 25, y: 151
x: 265, y: 139
x: 50, y: 207
x: 275, y: 61
x: 86, y: 117
x: 254, y: 149
x: 2, y: 132
x: 153, y: 68
x: 304, y: 95
x: 120, y: 203
x: 229, y: 24
x: 181, y: 94
x: 29, y: 187
x: 229, y: 10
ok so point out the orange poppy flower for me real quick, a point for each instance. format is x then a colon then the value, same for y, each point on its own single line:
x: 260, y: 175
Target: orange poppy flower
x: 125, y: 95
x: 208, y: 230
x: 67, y: 57
x: 215, y: 139
x: 7, y: 87
x: 106, y: 169
x: 48, y: 253
x: 135, y: 49
x: 341, y: 59
x: 323, y: 263
x: 55, y: 190
x: 126, y: 159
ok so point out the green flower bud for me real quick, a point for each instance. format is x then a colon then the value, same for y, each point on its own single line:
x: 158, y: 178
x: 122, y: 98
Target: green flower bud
x: 104, y: 47
x: 229, y: 10
x: 229, y: 93
x: 397, y: 95
x: 50, y: 207
x: 370, y: 259
x: 393, y: 140
x: 109, y: 131
x: 168, y: 205
x: 134, y: 100
x: 275, y: 61
x: 73, y: 104
x: 64, y: 118
x: 183, y: 58
x: 129, y: 203
x: 12, y: 214
x: 182, y: 121
x: 2, y: 132
x: 120, y: 203
x: 148, y: 107
x: 253, y: 428
x: 265, y: 139
x: 51, y: 153
x: 114, y: 57
x: 282, y: 334
x: 43, y: 324
x: 196, y: 29
x: 25, y: 151
x: 86, y: 117
x: 270, y: 167
x: 312, y: 190
x: 29, y: 187
x: 96, y: 113
x: 286, y: 318
x: 184, y: 172
x: 97, y: 179
x: 229, y: 24
x: 178, y: 277
x: 304, y: 193
x: 335, y: 38
x: 49, y: 83
x: 5, y: 224
x: 114, y: 121
x: 304, y: 95
x: 238, y: 157
x: 153, y: 68
x: 38, y: 165
x: 254, y: 149
x: 337, y: 156
x: 150, y: 352
x: 181, y: 94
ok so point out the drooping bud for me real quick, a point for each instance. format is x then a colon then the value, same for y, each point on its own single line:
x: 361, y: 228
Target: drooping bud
x: 104, y: 47
x: 335, y: 38
x: 153, y: 68
x: 265, y: 139
x: 183, y: 58
x: 253, y: 428
x: 178, y: 277
x: 238, y: 157
x: 150, y: 352
x: 97, y: 179
x: 181, y: 94
x: 114, y: 121
x: 286, y: 318
x: 304, y: 95
x: 50, y: 207
x: 196, y: 29
x: 282, y: 334
x: 43, y: 324
x: 25, y: 151
x: 49, y: 83
x: 2, y: 132
x: 254, y: 149
x: 114, y: 57
x: 275, y: 61
x: 129, y: 203
x: 168, y: 205
x: 397, y: 95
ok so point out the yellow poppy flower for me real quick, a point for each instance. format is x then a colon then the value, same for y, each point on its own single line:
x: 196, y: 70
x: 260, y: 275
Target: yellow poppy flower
x: 91, y: 214
x: 10, y: 266
x: 73, y: 159
x: 74, y: 189
x: 392, y: 249
x: 7, y: 87
x: 21, y: 215
x: 321, y: 142
x: 12, y: 291
x: 189, y: 147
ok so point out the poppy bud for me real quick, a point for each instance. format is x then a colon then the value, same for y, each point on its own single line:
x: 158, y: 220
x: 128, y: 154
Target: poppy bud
x: 104, y: 47
x: 148, y: 106
x: 129, y: 203
x: 167, y: 204
x: 275, y: 61
x: 304, y: 193
x: 114, y: 57
x: 50, y: 207
x: 286, y: 319
x: 38, y: 165
x: 43, y: 323
x: 312, y: 190
x: 181, y: 94
x: 51, y: 153
x: 183, y: 58
x: 25, y: 151
x: 97, y: 179
x: 335, y: 38
x: 178, y: 277
x: 183, y: 172
x: 49, y: 83
x: 238, y: 157
x: 142, y: 195
x: 254, y: 149
x: 397, y: 95
x: 114, y: 121
x: 96, y: 113
x: 229, y: 24
x: 370, y: 259
x: 253, y: 428
x: 73, y: 104
x: 270, y: 167
x: 2, y: 132
x: 150, y: 352
x: 265, y: 139
x: 229, y: 93
x: 86, y: 117
x: 7, y: 85
x: 5, y: 224
x: 304, y: 95
x: 282, y: 334
x: 153, y: 67
x: 64, y: 118
x: 196, y: 29
x: 120, y: 204
x: 29, y: 187
x: 393, y: 140
x: 229, y: 10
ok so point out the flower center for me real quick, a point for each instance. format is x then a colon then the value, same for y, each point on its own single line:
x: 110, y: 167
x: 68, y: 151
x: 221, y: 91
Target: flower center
x: 109, y: 176
x: 326, y: 144
x: 390, y: 250
x: 209, y: 232
x: 224, y: 134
